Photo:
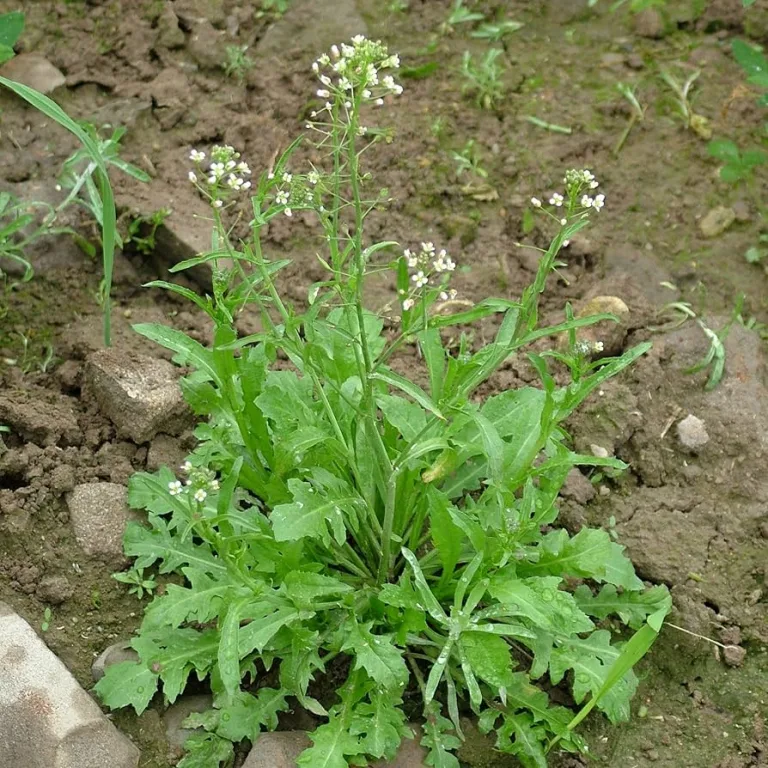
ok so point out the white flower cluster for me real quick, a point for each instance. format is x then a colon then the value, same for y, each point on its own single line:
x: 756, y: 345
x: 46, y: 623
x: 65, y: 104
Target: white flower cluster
x: 226, y: 173
x: 200, y: 482
x: 352, y: 73
x: 294, y: 191
x: 586, y: 348
x: 575, y: 200
x: 424, y: 264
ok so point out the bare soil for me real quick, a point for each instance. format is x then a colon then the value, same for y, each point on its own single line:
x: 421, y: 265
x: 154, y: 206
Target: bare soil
x: 694, y: 520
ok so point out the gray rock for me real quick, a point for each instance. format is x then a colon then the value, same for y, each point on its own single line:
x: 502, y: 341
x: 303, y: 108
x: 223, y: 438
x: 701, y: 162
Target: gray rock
x: 734, y: 655
x: 649, y: 23
x: 169, y: 33
x: 113, y: 654
x: 280, y: 749
x: 139, y: 394
x: 177, y: 713
x: 192, y: 11
x: 717, y: 221
x: 164, y: 451
x: 311, y: 27
x: 33, y: 70
x: 99, y: 514
x: 577, y: 487
x: 48, y: 720
x: 599, y: 451
x: 183, y: 235
x: 206, y: 46
x: 692, y: 433
x: 54, y: 589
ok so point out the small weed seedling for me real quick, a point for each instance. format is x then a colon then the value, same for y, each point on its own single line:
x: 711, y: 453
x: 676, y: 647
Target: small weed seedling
x: 140, y: 584
x: 483, y: 80
x: 238, y: 63
x: 273, y: 8
x: 681, y: 91
x: 497, y: 31
x: 468, y: 160
x: 737, y: 166
x: 636, y: 115
x: 459, y: 15
x: 142, y: 230
x: 45, y: 624
x: 337, y: 512
x: 634, y: 5
x: 755, y: 65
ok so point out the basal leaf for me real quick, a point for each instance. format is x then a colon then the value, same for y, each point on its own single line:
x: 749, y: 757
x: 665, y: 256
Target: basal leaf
x: 228, y: 655
x: 206, y: 750
x: 488, y: 656
x: 303, y: 588
x: 377, y: 655
x: 541, y: 601
x: 632, y: 607
x: 298, y: 667
x: 263, y: 626
x: 127, y: 684
x: 381, y: 725
x: 287, y: 400
x: 439, y: 739
x: 590, y: 554
x: 332, y: 744
x: 519, y: 736
x: 447, y: 537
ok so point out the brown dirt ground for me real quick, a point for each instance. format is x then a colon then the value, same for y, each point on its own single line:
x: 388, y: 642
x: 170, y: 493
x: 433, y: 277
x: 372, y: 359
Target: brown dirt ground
x: 697, y: 522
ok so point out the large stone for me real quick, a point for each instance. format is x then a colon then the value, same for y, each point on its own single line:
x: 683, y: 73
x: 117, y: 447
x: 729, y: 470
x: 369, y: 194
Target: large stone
x: 33, y: 70
x: 310, y: 27
x: 99, y: 514
x: 177, y: 713
x: 46, y: 719
x: 139, y: 394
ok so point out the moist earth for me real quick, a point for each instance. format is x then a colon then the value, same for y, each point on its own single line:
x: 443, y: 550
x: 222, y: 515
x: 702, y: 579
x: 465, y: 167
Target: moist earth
x: 693, y: 508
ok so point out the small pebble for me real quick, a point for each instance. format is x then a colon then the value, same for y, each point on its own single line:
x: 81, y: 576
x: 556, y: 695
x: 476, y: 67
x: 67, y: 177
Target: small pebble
x: 734, y: 655
x: 692, y: 433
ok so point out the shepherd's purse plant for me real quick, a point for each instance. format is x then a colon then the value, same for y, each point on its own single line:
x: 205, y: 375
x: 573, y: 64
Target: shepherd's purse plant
x: 337, y: 521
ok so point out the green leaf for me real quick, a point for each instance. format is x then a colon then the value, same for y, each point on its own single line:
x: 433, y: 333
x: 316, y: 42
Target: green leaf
x: 412, y: 390
x: 447, y: 537
x: 488, y: 655
x: 381, y: 725
x: 539, y: 600
x: 287, y: 400
x: 590, y: 554
x: 520, y: 737
x: 632, y: 607
x: 431, y: 347
x: 297, y: 668
x: 262, y: 628
x: 439, y: 739
x: 206, y: 750
x: 723, y: 149
x: 332, y: 743
x: 312, y: 513
x: 188, y: 351
x: 11, y: 27
x: 228, y: 656
x: 303, y: 588
x: 590, y: 661
x: 377, y: 655
x: 200, y: 602
x: 521, y: 694
x: 752, y: 61
x: 406, y: 417
x: 127, y: 684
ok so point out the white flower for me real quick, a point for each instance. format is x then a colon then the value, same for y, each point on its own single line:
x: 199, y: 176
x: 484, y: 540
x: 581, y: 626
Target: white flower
x: 325, y: 80
x: 535, y: 202
x: 428, y: 248
x: 323, y: 94
x: 408, y: 304
x: 420, y: 279
x: 281, y: 198
x: 566, y: 243
x: 389, y: 83
x: 366, y: 94
x: 556, y: 199
x: 192, y: 177
x: 563, y: 222
x: 212, y: 179
x: 186, y: 467
x: 196, y: 156
x: 335, y: 51
x: 393, y: 61
x: 200, y: 495
x: 361, y: 130
x: 313, y: 177
x: 594, y: 184
x: 230, y: 165
x: 218, y: 203
x: 214, y: 485
x: 345, y: 84
x: 379, y: 102
x: 246, y: 185
x: 174, y: 488
x: 358, y: 40
x: 598, y: 202
x: 287, y: 177
x: 586, y: 201
x: 58, y: 187
x: 270, y: 175
x: 288, y: 212
x: 243, y: 168
x: 597, y: 346
x: 315, y: 67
